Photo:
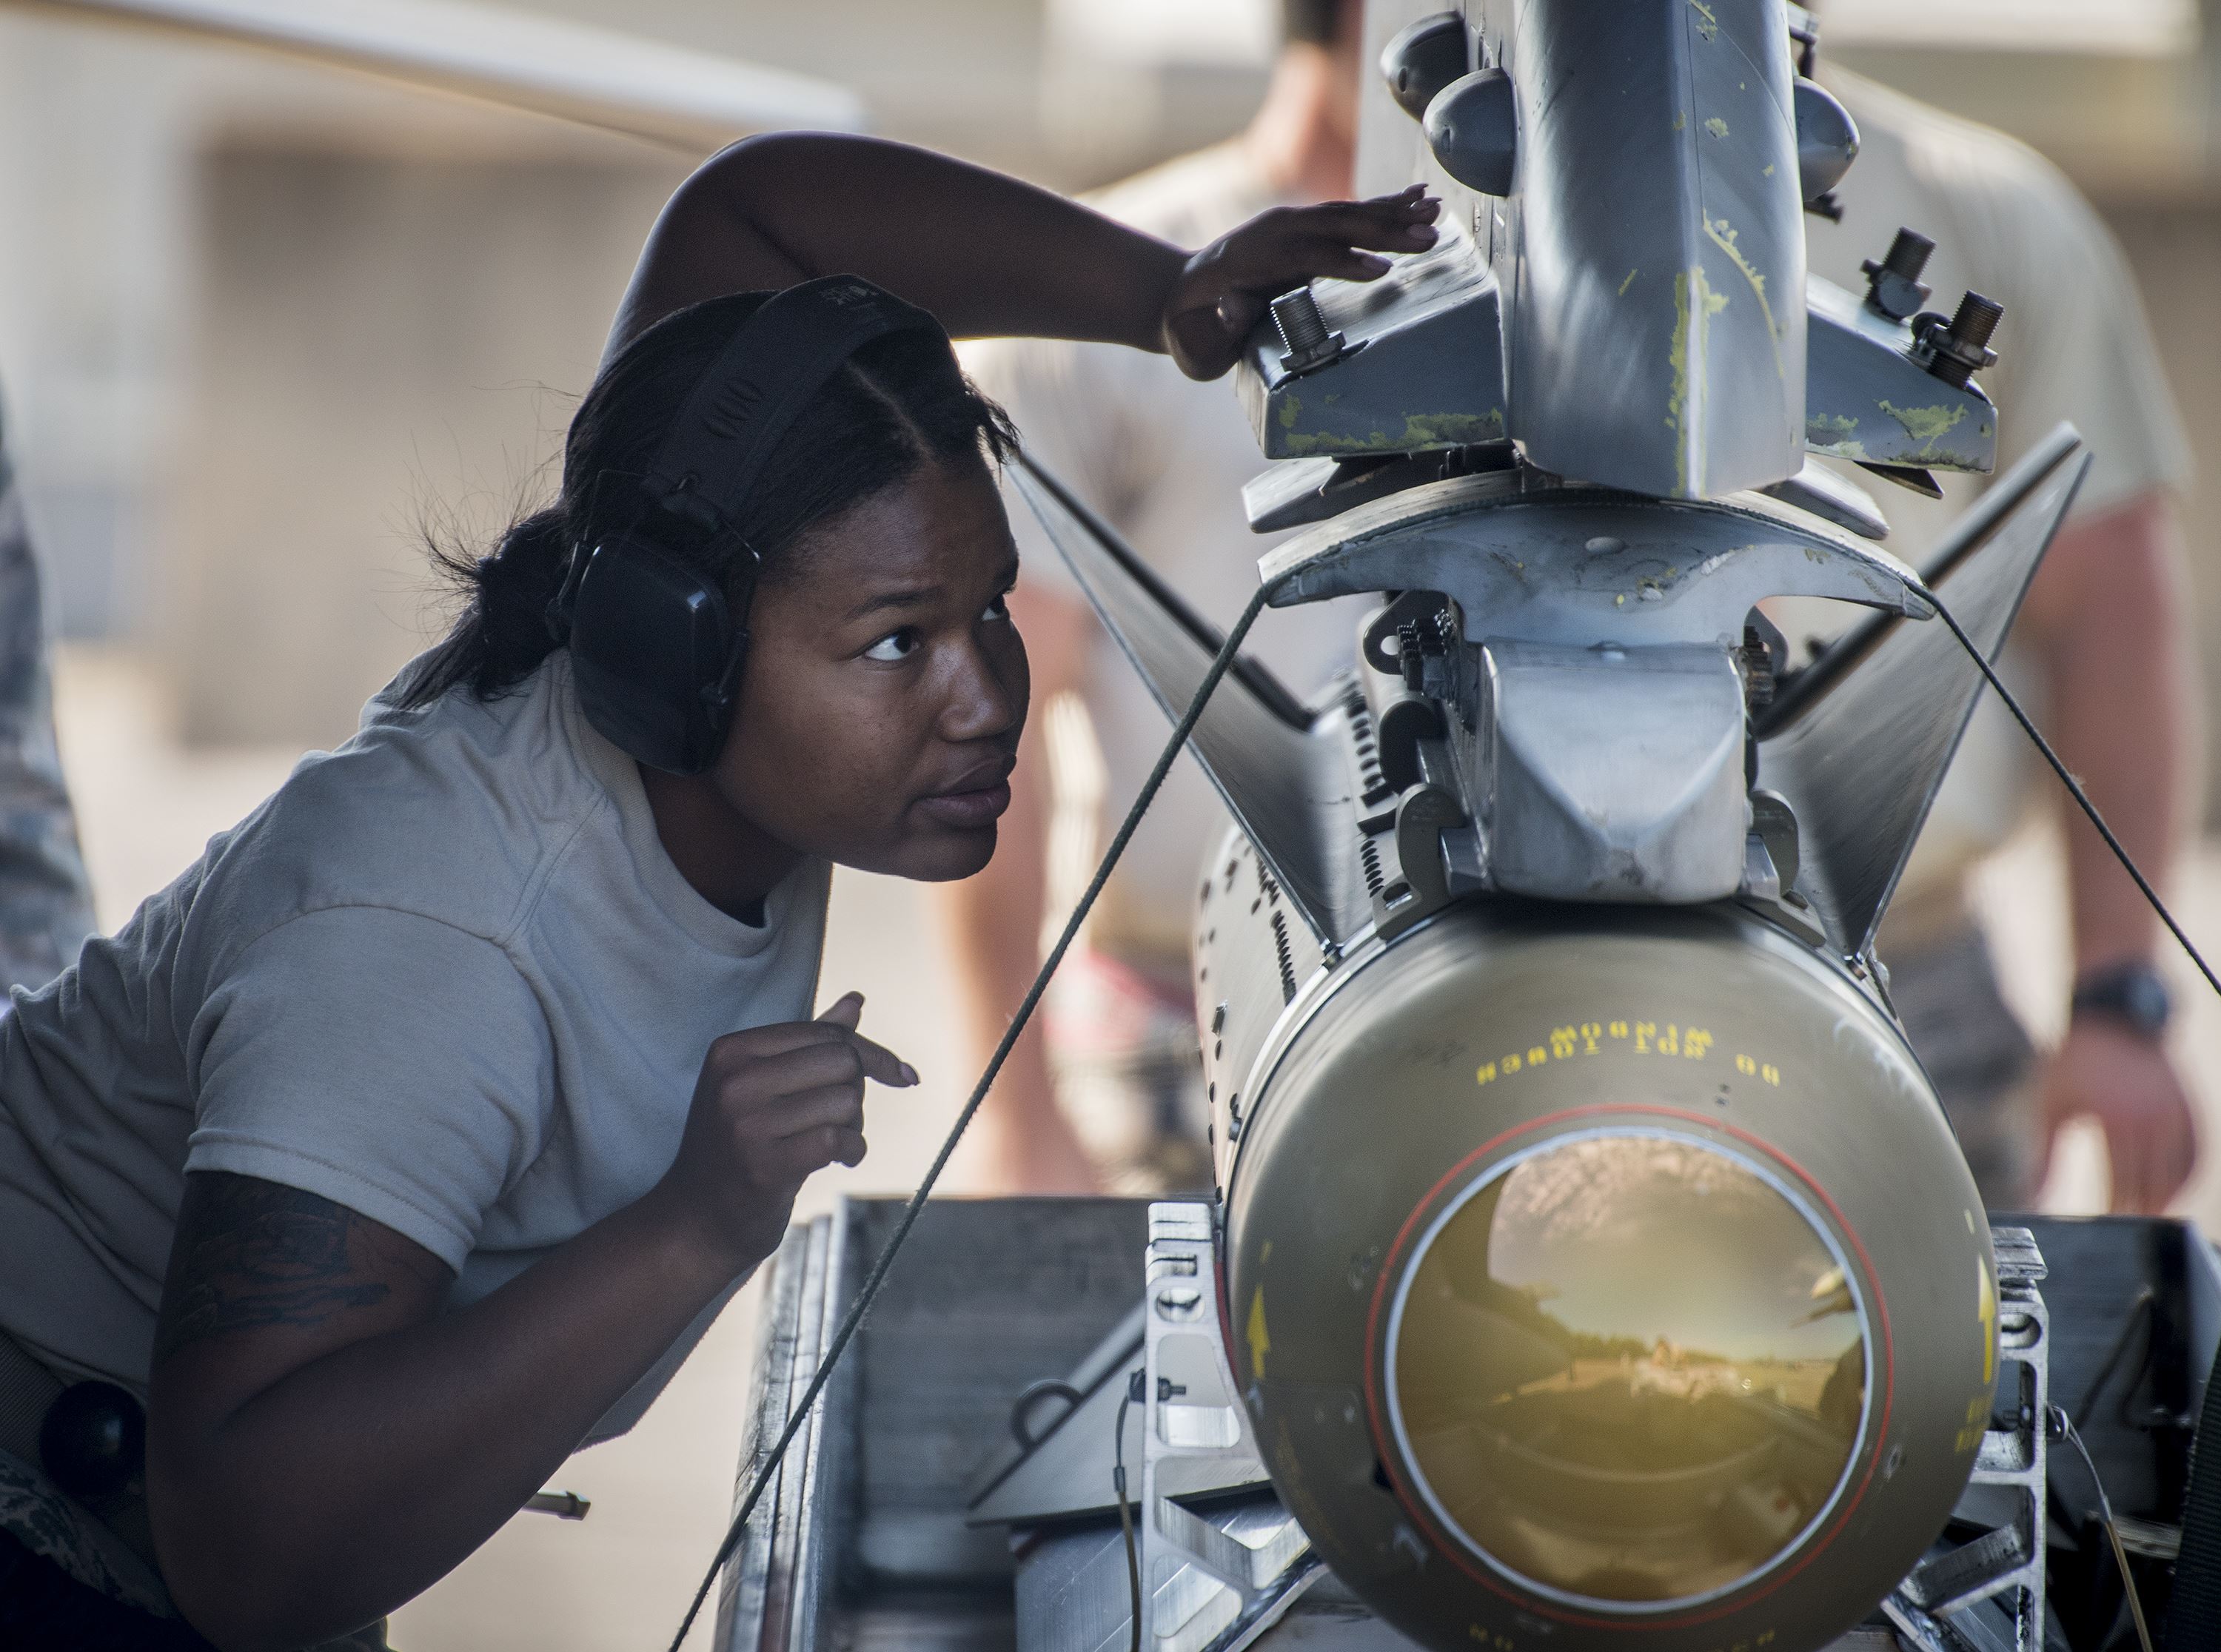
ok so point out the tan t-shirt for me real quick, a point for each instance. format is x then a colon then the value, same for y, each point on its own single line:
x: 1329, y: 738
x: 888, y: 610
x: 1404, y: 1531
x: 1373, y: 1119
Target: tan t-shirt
x: 1163, y: 458
x: 2073, y: 345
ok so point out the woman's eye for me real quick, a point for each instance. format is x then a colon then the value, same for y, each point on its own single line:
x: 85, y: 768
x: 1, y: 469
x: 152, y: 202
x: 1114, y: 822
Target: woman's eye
x: 895, y: 645
x: 999, y: 609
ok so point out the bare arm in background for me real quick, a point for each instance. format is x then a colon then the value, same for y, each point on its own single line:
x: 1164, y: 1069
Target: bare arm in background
x: 988, y: 255
x: 993, y: 923
x: 2107, y: 610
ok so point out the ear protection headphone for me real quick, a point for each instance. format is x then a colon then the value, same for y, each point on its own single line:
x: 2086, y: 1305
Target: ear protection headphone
x: 656, y: 645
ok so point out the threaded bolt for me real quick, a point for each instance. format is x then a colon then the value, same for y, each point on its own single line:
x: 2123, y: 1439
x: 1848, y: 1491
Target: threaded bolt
x: 1959, y: 349
x: 1908, y: 254
x: 1977, y: 318
x: 1893, y: 284
x: 1303, y: 330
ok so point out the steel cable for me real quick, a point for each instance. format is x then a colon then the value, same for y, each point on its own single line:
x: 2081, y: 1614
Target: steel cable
x: 2062, y: 1427
x: 2074, y: 789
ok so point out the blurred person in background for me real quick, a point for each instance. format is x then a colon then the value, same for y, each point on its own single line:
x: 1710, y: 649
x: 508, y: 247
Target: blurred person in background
x: 1162, y: 458
x: 45, y: 903
x: 2101, y: 648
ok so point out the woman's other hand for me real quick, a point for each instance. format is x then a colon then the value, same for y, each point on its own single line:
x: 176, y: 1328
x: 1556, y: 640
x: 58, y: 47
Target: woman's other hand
x: 326, y: 1434
x: 773, y: 1105
x: 1222, y: 290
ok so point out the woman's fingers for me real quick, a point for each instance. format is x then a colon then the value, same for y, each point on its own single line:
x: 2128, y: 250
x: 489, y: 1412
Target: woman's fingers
x: 1271, y: 267
x: 882, y: 1065
x: 1273, y: 270
x: 830, y: 1104
x: 1392, y: 224
x: 847, y: 1010
x: 879, y: 1062
x: 850, y: 1060
x: 1224, y: 288
x: 769, y: 1083
x: 773, y: 1105
x: 1289, y: 236
x: 793, y: 1159
x: 832, y: 1033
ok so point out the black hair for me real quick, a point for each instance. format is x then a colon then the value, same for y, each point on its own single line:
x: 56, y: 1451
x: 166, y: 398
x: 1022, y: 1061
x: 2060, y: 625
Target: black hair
x: 1313, y: 22
x: 900, y: 404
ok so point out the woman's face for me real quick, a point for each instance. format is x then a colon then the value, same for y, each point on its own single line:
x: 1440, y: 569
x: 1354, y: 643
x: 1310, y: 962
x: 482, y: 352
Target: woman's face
x: 886, y: 686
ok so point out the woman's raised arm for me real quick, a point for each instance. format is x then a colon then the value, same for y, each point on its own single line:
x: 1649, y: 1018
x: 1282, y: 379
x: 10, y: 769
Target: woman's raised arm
x: 987, y: 254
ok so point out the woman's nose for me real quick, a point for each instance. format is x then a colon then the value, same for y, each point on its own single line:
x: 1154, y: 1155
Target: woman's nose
x: 988, y: 696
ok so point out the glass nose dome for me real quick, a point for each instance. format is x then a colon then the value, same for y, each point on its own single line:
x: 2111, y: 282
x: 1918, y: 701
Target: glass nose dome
x: 1628, y: 1369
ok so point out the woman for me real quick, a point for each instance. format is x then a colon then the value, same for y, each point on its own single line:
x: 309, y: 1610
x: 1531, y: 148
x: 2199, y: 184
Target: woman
x: 463, y: 1082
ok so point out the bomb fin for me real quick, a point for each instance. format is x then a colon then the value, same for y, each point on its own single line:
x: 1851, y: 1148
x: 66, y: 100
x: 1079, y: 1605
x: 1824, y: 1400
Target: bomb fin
x: 1858, y: 742
x: 1277, y: 764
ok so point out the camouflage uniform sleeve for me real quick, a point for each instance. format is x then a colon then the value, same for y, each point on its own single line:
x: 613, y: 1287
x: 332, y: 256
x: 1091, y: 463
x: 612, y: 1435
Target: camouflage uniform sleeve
x: 46, y: 902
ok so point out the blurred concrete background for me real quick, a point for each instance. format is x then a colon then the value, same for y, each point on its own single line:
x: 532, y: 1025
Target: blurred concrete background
x: 260, y: 323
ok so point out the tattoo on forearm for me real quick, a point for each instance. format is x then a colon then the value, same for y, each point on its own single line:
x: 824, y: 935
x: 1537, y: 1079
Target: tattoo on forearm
x: 251, y: 1254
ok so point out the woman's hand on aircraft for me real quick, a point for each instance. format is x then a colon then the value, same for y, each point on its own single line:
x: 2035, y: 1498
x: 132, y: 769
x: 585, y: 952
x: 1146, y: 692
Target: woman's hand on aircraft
x: 1222, y: 290
x: 990, y: 256
x: 773, y: 1105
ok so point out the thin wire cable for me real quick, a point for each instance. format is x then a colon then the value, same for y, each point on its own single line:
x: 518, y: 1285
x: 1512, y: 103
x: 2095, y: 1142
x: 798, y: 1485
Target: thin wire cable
x: 2075, y: 787
x: 2063, y: 1426
x: 1134, y: 1381
x: 872, y: 1280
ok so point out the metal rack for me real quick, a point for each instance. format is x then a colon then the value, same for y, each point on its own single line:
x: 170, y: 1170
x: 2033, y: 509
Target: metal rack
x: 918, y: 1511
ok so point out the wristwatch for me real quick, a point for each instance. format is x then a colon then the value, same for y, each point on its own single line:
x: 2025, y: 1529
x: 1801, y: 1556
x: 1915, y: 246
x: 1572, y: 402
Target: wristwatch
x: 2130, y: 994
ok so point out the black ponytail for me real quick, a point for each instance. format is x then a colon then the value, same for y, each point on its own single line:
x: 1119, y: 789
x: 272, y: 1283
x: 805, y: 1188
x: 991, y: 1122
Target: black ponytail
x: 901, y: 404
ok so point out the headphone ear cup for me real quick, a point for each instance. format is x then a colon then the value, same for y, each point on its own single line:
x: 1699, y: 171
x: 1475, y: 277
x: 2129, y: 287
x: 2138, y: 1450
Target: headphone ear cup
x: 656, y: 655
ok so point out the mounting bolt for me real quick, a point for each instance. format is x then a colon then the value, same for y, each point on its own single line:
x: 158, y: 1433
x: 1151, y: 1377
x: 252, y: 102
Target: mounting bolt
x: 1893, y: 286
x: 1411, y: 654
x: 1959, y: 349
x: 1303, y: 330
x: 1760, y: 670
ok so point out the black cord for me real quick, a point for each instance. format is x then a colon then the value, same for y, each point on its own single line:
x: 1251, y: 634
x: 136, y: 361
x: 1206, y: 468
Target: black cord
x: 1134, y: 1382
x: 2075, y: 787
x: 2062, y: 1427
x: 1229, y: 651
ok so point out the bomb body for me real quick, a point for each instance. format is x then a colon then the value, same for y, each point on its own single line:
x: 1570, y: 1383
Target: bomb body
x: 1608, y: 1275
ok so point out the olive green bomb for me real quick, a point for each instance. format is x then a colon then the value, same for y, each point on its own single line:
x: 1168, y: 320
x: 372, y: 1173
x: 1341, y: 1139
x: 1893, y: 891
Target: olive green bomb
x: 1603, y: 1279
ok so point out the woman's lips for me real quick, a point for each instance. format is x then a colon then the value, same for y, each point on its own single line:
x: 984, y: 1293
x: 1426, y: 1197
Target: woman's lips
x: 968, y: 811
x: 971, y: 808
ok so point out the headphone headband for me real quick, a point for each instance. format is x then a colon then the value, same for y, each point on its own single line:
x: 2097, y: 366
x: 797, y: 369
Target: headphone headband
x: 656, y: 644
x: 782, y: 355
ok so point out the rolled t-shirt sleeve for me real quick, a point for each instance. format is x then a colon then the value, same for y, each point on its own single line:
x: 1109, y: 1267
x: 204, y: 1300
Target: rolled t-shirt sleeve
x: 388, y: 1062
